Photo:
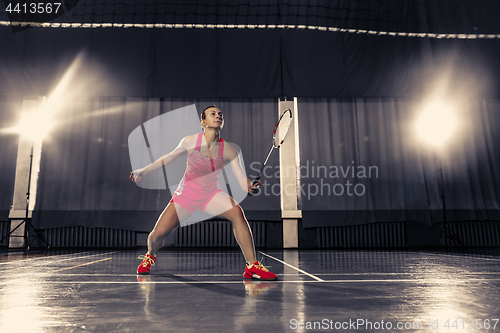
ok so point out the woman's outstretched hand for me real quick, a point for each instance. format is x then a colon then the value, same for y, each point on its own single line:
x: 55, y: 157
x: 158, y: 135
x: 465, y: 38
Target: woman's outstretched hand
x: 136, y: 175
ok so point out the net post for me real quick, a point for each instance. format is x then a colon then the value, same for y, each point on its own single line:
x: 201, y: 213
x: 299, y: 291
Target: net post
x: 289, y: 183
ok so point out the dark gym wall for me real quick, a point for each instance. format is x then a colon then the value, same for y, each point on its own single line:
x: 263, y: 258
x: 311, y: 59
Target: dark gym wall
x: 339, y: 72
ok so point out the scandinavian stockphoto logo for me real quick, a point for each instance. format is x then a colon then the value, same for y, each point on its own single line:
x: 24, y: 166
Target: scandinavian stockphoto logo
x: 159, y: 136
x: 317, y: 180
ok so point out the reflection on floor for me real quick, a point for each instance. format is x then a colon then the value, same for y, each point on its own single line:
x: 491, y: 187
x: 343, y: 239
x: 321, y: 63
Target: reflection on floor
x: 204, y: 291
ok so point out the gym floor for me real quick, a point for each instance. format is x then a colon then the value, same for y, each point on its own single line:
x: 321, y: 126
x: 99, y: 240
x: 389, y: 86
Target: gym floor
x: 203, y: 291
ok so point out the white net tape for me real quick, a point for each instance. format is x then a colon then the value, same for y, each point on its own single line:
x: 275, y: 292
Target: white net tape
x: 247, y: 26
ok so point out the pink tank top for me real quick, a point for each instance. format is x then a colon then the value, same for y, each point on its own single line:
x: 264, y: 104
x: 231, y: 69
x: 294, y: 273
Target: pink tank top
x: 203, y: 172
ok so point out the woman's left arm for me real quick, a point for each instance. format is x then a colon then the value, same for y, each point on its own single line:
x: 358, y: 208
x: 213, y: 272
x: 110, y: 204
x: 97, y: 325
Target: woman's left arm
x: 235, y: 161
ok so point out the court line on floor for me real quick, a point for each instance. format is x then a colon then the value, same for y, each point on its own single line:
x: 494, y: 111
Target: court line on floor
x: 282, y: 274
x: 88, y: 263
x: 92, y: 255
x: 298, y: 269
x: 441, y: 281
x: 72, y: 258
x: 39, y: 258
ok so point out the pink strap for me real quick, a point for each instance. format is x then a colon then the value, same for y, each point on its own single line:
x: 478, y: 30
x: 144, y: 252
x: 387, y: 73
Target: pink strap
x: 221, y: 144
x: 198, y: 142
x: 221, y: 147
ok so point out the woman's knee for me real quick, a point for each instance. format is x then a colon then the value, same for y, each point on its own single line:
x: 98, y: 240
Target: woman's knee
x: 236, y: 214
x: 164, y: 228
x: 153, y: 236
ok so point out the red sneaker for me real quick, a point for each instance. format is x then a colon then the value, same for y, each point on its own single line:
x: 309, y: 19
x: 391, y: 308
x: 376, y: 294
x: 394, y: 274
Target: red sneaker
x: 257, y: 271
x: 147, y: 262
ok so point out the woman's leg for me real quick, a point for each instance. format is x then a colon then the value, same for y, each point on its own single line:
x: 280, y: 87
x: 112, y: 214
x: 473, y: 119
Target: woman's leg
x: 223, y: 205
x: 167, y: 222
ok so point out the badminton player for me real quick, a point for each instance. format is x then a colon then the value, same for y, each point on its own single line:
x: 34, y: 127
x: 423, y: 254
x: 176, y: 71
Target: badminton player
x: 199, y: 189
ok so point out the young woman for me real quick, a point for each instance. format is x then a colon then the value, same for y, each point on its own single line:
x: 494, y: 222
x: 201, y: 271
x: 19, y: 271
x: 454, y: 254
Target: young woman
x: 199, y: 190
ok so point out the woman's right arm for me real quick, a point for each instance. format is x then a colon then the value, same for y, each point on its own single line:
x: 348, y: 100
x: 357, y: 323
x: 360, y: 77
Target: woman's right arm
x: 180, y: 150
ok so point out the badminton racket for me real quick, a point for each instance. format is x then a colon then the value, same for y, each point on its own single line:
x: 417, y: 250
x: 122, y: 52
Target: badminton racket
x: 279, y: 135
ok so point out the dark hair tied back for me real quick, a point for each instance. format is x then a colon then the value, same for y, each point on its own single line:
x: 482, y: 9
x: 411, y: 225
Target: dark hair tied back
x: 203, y: 116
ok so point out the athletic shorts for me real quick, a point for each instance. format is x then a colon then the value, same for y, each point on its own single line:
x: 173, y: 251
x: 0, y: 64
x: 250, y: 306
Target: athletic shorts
x: 192, y: 201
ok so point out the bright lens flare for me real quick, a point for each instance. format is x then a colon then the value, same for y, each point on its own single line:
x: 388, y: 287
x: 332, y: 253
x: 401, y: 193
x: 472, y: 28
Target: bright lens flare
x: 35, y: 125
x: 436, y: 123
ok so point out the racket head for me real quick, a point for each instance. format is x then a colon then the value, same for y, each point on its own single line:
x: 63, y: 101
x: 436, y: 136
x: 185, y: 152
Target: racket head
x: 281, y: 128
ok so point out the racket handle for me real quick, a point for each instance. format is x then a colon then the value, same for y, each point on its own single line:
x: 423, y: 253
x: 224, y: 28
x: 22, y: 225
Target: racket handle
x: 257, y: 191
